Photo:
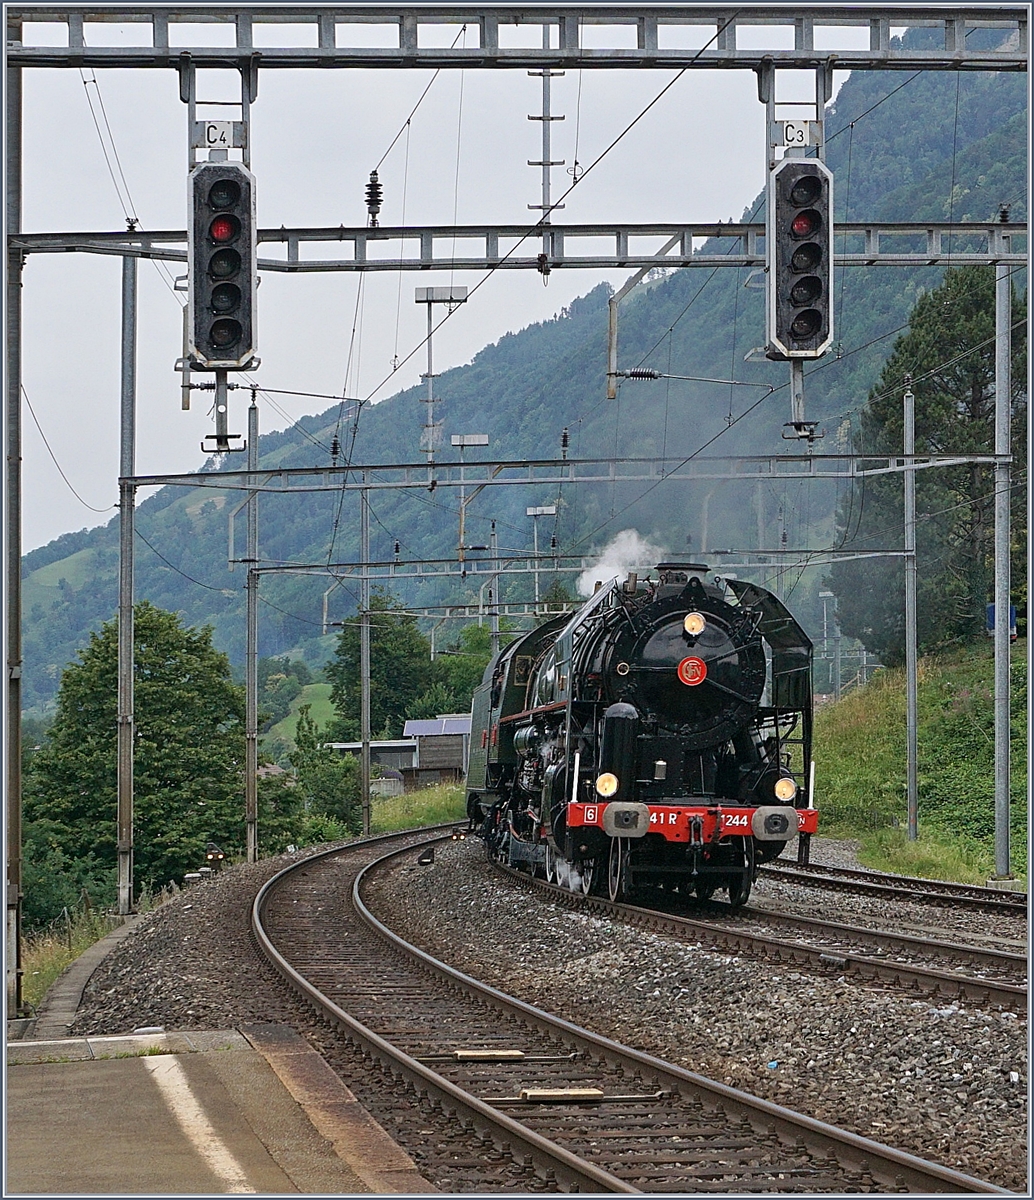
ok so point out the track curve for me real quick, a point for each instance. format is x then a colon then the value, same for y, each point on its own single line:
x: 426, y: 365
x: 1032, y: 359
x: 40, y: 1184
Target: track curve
x: 582, y: 1111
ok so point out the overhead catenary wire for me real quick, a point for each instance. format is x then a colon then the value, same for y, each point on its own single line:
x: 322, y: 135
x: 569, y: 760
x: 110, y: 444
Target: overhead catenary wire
x: 413, y: 111
x: 122, y: 191
x: 721, y: 432
x: 53, y: 456
x: 179, y: 571
x: 537, y: 226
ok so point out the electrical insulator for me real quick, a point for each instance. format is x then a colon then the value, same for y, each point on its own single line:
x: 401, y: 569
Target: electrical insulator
x: 552, y: 542
x: 565, y: 441
x: 398, y: 549
x: 374, y: 195
x: 643, y: 373
x: 543, y: 264
x: 335, y: 449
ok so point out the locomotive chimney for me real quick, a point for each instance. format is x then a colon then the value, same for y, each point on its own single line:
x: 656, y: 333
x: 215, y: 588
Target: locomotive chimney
x: 675, y: 576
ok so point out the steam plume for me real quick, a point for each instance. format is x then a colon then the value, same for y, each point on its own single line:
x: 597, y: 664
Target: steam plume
x: 627, y: 551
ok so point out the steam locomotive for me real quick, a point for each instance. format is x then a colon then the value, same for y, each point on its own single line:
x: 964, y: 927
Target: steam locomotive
x: 659, y: 737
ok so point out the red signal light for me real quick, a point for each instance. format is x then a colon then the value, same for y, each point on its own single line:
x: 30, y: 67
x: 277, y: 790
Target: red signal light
x: 803, y: 225
x: 224, y: 229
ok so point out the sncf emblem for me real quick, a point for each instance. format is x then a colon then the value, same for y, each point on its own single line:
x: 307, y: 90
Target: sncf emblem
x: 692, y: 671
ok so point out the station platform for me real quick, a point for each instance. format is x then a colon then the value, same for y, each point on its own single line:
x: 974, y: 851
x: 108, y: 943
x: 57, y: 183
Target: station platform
x: 248, y: 1110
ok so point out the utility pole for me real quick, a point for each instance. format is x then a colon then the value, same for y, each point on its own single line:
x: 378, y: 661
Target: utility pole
x: 431, y: 437
x: 251, y: 650
x: 825, y: 597
x: 547, y: 119
x: 127, y: 504
x: 494, y: 591
x: 911, y: 650
x: 461, y: 441
x: 364, y: 655
x: 837, y: 663
x: 13, y: 532
x: 1002, y: 586
x: 544, y: 510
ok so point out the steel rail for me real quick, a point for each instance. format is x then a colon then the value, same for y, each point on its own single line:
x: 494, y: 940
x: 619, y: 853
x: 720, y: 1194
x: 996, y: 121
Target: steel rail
x: 901, y: 887
x: 899, y: 1168
x: 578, y: 1174
x: 929, y: 980
x: 1001, y: 959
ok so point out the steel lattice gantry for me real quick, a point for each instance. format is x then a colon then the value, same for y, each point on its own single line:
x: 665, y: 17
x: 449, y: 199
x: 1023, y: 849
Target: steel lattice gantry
x: 555, y: 472
x: 511, y: 247
x: 663, y: 36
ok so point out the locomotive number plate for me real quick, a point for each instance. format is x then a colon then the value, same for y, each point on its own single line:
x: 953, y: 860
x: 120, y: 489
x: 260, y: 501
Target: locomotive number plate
x: 732, y: 822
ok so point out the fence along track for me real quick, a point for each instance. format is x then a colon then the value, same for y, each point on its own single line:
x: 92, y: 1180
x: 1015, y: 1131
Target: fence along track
x: 656, y: 1127
x: 901, y: 887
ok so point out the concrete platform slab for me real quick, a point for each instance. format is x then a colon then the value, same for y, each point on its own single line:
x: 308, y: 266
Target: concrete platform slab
x: 190, y: 1113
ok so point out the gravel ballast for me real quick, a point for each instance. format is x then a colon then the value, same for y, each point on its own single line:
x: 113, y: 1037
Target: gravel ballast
x: 945, y: 1081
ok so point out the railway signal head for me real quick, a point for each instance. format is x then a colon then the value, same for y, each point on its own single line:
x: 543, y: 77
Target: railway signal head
x: 799, y: 248
x: 222, y: 265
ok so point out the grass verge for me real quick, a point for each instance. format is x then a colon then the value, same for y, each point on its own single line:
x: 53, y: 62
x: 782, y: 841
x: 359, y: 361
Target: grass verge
x: 860, y: 768
x: 45, y: 954
x: 428, y: 806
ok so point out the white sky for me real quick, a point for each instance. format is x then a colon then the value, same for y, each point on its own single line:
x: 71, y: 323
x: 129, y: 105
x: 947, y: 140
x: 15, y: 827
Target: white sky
x: 698, y: 156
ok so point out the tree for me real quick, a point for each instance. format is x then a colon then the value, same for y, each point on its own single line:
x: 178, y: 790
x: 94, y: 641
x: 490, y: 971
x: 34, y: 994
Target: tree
x: 556, y: 596
x: 189, y: 756
x: 327, y: 781
x: 400, y: 668
x: 949, y: 354
x: 459, y: 667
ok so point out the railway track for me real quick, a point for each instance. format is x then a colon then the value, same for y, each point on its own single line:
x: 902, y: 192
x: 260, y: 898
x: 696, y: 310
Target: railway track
x: 871, y: 955
x: 576, y: 1111
x: 900, y: 887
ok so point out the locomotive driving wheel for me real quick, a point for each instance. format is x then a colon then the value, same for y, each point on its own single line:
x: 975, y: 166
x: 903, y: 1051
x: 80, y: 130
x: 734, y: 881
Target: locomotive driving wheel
x: 740, y: 884
x: 739, y: 890
x: 587, y: 870
x: 550, y: 864
x: 617, y: 869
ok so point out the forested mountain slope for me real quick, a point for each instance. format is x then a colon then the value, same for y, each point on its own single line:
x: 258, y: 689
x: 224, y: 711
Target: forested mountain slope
x: 927, y: 147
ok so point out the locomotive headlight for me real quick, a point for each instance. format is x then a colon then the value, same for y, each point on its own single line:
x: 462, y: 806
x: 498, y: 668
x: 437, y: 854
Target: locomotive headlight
x: 694, y: 624
x: 785, y: 788
x: 607, y: 784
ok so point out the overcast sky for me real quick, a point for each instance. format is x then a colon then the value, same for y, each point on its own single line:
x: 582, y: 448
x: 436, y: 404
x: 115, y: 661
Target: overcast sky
x: 698, y: 155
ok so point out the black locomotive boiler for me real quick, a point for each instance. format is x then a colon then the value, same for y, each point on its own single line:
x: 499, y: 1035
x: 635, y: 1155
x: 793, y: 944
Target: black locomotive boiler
x: 659, y: 737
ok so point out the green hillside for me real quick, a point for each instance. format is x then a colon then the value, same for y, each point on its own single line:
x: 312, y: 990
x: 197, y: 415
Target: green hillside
x: 934, y: 146
x: 860, y: 781
x: 317, y: 697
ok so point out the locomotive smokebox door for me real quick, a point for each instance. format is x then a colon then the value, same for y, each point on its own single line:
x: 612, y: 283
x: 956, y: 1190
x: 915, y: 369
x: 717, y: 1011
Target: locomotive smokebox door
x: 626, y: 820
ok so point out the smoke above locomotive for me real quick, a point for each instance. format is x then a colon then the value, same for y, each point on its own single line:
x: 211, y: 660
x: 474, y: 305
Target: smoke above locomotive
x: 657, y: 738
